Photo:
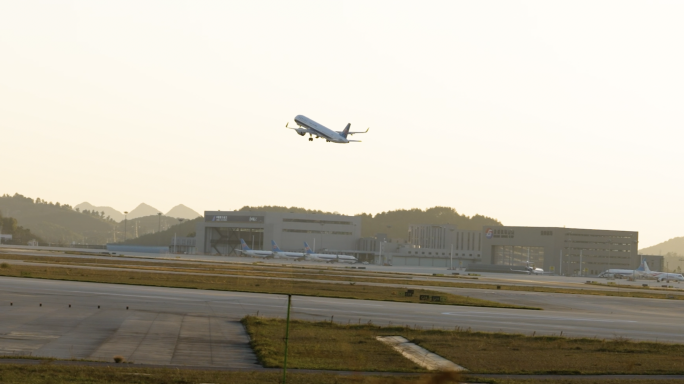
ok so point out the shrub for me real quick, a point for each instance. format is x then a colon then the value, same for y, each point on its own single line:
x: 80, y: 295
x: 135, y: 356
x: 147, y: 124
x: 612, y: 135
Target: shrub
x: 119, y: 359
x: 4, y: 265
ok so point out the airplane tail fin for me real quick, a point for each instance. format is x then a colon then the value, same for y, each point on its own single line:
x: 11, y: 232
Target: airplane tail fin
x: 307, y: 249
x: 346, y: 131
x: 275, y: 246
x: 644, y: 267
x: 244, y: 246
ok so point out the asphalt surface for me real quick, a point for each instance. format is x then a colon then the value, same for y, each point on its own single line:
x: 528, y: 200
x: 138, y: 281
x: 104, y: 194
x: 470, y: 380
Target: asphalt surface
x: 185, y: 327
x: 195, y: 328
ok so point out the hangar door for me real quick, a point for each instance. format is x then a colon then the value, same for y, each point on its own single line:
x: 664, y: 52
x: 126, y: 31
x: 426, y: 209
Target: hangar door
x: 225, y: 241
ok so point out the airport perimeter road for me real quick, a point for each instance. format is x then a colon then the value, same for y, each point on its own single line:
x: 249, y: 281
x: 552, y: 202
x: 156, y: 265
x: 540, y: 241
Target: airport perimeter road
x: 201, y: 328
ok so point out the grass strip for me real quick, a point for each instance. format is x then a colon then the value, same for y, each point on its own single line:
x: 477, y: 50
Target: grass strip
x: 326, y: 345
x: 48, y: 373
x: 45, y: 373
x: 242, y: 284
x: 321, y: 273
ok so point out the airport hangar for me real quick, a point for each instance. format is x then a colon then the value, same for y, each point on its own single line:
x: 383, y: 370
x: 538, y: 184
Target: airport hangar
x: 566, y: 251
x: 221, y: 231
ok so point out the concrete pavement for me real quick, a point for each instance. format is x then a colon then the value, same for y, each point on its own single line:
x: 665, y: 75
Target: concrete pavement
x: 201, y: 328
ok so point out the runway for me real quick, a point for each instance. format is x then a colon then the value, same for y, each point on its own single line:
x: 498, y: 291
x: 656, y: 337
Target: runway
x: 201, y: 328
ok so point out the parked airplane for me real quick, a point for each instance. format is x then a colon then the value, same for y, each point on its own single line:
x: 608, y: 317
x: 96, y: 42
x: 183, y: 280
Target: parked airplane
x: 530, y: 270
x: 665, y: 276
x: 622, y: 273
x: 529, y: 267
x: 252, y: 253
x: 662, y: 276
x: 311, y: 127
x: 328, y: 258
x: 277, y: 252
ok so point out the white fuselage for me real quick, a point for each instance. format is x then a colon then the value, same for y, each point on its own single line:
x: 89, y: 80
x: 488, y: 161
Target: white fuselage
x: 622, y: 272
x: 332, y: 258
x: 289, y: 255
x: 319, y: 130
x: 253, y: 253
x: 661, y: 276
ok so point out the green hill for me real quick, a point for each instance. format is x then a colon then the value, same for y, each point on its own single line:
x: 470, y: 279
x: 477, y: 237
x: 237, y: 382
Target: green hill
x: 20, y: 235
x: 395, y: 223
x: 144, y: 227
x: 672, y: 247
x: 62, y: 224
x: 165, y: 237
x: 57, y: 223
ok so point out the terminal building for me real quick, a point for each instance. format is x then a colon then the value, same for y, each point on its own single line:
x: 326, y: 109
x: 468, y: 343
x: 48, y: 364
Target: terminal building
x: 221, y: 231
x: 564, y: 251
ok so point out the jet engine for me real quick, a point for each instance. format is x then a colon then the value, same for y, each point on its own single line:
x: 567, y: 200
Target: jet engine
x: 301, y: 131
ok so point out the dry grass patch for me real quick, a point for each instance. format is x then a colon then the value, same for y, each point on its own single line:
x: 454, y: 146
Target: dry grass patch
x: 510, y: 353
x: 353, y: 347
x: 324, y: 345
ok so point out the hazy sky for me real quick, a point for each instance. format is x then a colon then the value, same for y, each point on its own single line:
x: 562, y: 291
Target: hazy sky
x: 537, y: 113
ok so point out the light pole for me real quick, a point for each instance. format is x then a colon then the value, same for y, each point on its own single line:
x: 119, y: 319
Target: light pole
x: 174, y: 235
x: 609, y: 246
x: 125, y: 224
x: 380, y: 253
x: 159, y: 231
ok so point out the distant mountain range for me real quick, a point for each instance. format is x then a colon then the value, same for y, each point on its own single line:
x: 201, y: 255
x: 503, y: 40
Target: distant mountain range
x: 109, y: 211
x: 142, y: 210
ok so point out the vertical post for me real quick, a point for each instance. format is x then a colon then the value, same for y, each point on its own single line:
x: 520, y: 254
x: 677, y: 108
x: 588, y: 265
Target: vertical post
x: 452, y: 257
x: 380, y: 254
x: 159, y: 231
x: 125, y: 226
x: 561, y: 262
x: 287, y: 335
x: 609, y: 245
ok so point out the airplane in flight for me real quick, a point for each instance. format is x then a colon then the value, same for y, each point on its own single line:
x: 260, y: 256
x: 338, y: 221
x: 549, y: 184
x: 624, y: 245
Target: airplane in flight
x: 277, y: 252
x: 253, y: 253
x: 328, y: 258
x: 311, y: 127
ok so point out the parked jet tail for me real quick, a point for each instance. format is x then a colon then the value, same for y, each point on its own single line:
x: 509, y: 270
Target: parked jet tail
x: 275, y: 246
x: 643, y: 267
x: 244, y: 246
x: 346, y: 131
x: 307, y: 249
